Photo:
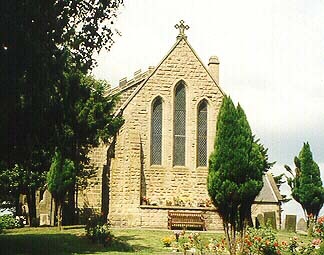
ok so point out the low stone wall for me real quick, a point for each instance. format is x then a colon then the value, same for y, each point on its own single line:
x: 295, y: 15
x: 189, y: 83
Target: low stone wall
x: 157, y: 216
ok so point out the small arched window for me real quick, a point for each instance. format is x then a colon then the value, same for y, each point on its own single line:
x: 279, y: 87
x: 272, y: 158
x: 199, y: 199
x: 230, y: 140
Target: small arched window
x: 202, y: 134
x: 179, y: 125
x: 156, y: 132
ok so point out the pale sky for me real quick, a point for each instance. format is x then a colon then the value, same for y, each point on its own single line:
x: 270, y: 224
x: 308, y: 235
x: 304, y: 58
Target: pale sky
x: 271, y: 61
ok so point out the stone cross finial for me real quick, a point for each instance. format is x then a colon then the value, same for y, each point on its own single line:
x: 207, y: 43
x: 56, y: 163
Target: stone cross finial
x: 182, y: 27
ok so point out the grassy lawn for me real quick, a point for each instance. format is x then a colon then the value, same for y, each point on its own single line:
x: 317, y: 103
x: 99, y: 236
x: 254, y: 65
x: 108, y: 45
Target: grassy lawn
x: 72, y: 241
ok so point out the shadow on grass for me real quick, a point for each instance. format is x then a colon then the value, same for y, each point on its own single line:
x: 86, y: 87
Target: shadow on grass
x: 60, y: 243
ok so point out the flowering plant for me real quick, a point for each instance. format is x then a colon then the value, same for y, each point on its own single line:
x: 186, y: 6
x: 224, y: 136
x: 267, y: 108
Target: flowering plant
x: 319, y: 227
x: 145, y: 200
x: 298, y: 248
x: 217, y: 247
x: 182, y: 242
x: 177, y: 201
x: 167, y: 240
x: 261, y: 241
x: 208, y: 202
x: 194, y: 244
x: 168, y: 203
x: 178, y: 233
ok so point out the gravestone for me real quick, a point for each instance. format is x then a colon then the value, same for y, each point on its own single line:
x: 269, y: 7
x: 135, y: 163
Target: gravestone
x: 302, y: 225
x: 45, y: 206
x: 259, y: 221
x: 270, y: 219
x: 290, y: 223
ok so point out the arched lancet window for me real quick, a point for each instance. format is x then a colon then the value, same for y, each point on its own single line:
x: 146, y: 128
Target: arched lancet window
x: 156, y: 132
x: 179, y: 126
x: 202, y: 134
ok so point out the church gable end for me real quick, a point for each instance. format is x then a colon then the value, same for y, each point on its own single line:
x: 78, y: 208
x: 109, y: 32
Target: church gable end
x: 163, y: 111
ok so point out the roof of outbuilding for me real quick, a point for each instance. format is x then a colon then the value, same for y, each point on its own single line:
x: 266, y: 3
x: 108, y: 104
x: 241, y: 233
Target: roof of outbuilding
x: 269, y: 192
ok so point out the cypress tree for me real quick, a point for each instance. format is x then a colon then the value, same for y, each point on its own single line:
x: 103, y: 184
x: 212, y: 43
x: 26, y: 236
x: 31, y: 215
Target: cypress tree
x: 306, y: 184
x: 236, y: 168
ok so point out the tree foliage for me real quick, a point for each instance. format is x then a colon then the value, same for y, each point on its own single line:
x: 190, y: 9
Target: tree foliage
x: 84, y: 117
x: 60, y: 178
x: 40, y: 42
x: 279, y: 180
x: 236, y: 168
x: 306, y: 184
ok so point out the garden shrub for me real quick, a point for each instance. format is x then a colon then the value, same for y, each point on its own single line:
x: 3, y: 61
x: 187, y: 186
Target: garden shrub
x: 97, y: 230
x: 86, y: 213
x: 9, y: 222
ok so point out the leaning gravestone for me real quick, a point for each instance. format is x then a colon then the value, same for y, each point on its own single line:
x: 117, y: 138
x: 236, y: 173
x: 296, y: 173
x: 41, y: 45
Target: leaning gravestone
x: 302, y: 225
x: 290, y: 223
x: 260, y: 220
x: 45, y: 206
x: 270, y: 219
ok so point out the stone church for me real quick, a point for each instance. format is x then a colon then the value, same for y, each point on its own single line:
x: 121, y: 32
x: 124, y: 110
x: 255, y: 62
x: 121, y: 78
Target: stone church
x: 158, y: 161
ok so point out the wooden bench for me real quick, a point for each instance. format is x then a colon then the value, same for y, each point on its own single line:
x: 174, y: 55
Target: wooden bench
x: 186, y: 219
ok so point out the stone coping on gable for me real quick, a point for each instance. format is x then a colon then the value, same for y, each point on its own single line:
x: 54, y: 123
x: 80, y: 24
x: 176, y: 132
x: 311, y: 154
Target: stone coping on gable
x: 180, y: 208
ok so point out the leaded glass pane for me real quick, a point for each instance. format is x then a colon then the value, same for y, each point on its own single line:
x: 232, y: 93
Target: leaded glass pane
x: 179, y: 151
x: 180, y: 103
x: 156, y: 132
x: 202, y: 134
x: 179, y: 122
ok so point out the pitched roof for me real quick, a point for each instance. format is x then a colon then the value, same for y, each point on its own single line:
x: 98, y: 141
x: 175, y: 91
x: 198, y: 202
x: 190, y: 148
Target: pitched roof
x: 150, y: 74
x: 269, y: 192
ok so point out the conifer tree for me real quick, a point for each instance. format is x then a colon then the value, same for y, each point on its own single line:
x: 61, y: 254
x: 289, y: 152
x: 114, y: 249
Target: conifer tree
x: 235, y: 173
x: 60, y: 178
x: 306, y: 184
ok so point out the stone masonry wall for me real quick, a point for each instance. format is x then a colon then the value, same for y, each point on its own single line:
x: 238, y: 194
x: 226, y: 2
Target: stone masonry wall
x: 125, y: 180
x: 91, y: 196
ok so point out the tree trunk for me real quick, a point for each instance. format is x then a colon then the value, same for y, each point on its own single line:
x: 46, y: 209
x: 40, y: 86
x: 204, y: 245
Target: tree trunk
x: 18, y: 204
x: 230, y: 235
x: 70, y: 216
x: 31, y: 201
x: 69, y: 210
x: 59, y: 215
x: 53, y: 212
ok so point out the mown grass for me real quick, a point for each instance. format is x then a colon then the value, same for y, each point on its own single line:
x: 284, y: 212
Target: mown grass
x: 72, y: 240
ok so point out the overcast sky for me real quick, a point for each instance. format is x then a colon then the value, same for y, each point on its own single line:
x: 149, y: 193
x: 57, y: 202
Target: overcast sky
x: 271, y: 60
